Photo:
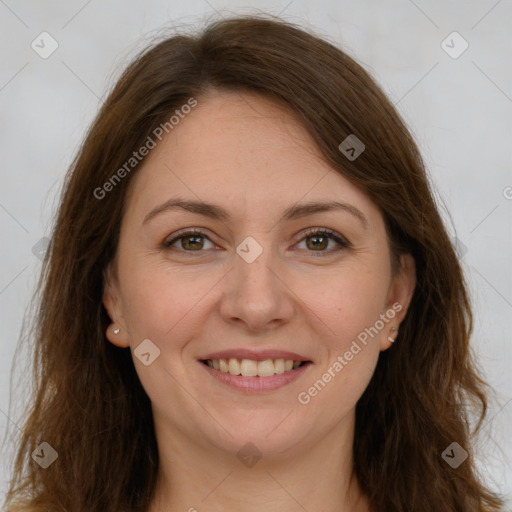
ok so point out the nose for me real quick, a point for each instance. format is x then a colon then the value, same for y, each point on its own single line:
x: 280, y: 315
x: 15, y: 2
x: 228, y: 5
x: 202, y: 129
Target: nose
x: 256, y: 294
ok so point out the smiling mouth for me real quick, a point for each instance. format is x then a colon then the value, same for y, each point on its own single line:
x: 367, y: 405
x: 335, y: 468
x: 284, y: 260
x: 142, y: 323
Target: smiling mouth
x: 250, y: 368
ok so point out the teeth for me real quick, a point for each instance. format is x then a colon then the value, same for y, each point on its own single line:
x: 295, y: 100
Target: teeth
x: 234, y: 367
x: 266, y: 368
x: 223, y: 365
x: 250, y: 368
x: 279, y: 365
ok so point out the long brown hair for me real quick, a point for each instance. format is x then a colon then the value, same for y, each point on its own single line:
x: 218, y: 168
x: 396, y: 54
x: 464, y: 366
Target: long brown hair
x: 89, y: 404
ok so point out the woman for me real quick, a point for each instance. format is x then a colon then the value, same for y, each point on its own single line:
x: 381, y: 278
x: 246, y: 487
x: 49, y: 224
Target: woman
x: 250, y: 302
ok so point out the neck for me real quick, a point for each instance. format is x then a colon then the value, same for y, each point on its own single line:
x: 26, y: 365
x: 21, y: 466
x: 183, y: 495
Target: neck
x: 317, y: 476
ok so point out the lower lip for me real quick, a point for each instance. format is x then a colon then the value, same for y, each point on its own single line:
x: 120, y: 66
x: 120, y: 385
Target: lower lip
x: 257, y: 384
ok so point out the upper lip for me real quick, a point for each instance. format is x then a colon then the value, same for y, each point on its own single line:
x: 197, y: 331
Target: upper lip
x: 259, y: 355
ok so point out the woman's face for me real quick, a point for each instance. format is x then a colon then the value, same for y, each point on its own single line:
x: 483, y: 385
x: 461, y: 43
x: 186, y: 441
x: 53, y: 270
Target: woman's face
x: 256, y: 284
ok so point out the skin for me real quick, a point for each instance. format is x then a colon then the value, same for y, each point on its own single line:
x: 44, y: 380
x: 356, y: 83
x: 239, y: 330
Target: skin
x: 252, y: 157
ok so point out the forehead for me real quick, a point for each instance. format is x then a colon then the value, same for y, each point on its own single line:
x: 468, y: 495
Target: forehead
x: 246, y: 152
x: 240, y: 137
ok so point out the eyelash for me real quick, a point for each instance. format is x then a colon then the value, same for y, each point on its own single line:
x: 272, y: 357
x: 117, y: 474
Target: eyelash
x: 330, y: 234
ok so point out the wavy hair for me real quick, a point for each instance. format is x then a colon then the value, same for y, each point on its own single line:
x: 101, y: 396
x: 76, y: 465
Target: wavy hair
x: 89, y: 404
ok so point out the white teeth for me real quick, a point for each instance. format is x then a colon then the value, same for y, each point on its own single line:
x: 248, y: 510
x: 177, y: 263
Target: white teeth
x: 266, y: 368
x: 279, y: 365
x: 223, y: 366
x: 234, y: 367
x: 250, y: 368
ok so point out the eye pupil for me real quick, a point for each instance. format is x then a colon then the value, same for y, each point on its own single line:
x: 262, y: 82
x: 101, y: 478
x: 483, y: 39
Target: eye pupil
x: 197, y: 239
x: 319, y: 245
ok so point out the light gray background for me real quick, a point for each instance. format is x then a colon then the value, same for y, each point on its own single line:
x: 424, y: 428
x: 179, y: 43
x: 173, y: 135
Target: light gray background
x: 458, y: 109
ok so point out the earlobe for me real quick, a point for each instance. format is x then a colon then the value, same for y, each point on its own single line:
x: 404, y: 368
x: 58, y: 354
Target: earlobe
x: 117, y: 336
x: 399, y: 298
x: 116, y: 332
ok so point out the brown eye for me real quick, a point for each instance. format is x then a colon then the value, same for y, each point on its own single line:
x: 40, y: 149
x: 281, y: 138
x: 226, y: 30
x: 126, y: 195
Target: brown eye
x: 191, y: 241
x: 318, y: 240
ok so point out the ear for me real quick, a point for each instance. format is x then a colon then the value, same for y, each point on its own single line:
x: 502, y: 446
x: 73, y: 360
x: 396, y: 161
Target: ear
x: 113, y: 305
x: 399, y: 298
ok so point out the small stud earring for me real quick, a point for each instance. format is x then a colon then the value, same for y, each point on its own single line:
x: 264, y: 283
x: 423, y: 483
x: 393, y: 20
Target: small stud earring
x: 390, y: 339
x: 116, y: 331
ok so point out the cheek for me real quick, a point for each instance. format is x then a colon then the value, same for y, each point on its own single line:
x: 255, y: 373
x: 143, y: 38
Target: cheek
x: 157, y: 302
x: 350, y: 304
x: 347, y: 300
x: 161, y: 306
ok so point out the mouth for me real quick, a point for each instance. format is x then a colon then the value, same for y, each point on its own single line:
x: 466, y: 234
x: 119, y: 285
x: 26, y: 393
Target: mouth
x: 253, y: 368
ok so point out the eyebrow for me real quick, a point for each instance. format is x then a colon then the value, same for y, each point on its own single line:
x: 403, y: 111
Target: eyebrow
x: 216, y: 212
